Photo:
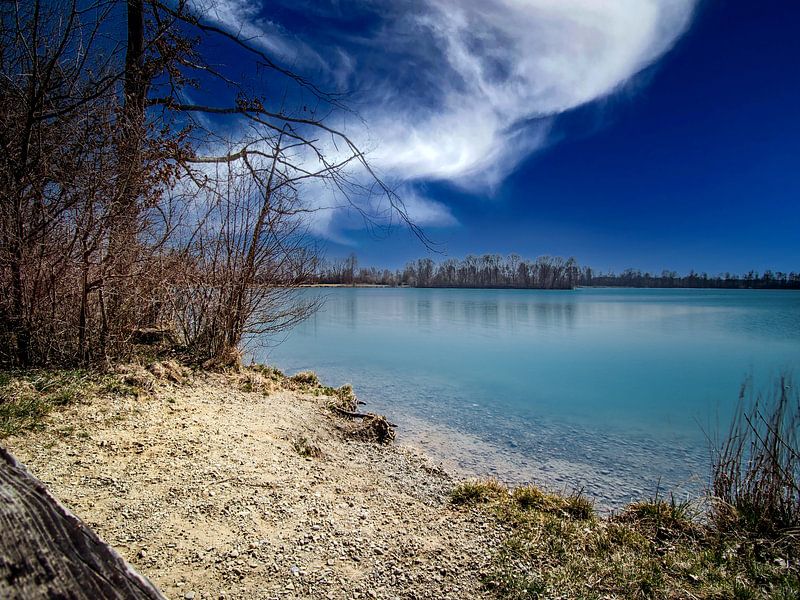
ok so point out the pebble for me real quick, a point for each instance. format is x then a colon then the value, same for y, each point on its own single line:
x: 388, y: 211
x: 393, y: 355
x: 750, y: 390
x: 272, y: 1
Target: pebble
x: 364, y: 521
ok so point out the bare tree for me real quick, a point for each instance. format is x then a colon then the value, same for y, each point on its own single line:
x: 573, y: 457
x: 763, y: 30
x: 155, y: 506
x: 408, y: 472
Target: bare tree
x: 123, y: 205
x: 55, y: 138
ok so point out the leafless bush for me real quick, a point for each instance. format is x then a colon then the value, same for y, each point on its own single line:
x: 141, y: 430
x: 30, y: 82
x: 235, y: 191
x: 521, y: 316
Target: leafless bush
x: 58, y: 193
x: 122, y: 207
x: 242, y: 267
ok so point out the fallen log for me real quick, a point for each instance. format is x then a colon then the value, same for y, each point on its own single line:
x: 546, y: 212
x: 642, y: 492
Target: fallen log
x: 48, y: 552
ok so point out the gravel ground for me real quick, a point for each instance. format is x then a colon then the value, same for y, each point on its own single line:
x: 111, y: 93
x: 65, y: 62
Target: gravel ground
x: 200, y: 486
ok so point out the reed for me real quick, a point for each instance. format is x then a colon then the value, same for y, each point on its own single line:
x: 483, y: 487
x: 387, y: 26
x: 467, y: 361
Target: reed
x: 756, y: 468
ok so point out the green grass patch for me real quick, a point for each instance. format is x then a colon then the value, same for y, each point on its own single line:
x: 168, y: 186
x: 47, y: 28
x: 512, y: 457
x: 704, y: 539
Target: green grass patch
x: 548, y: 555
x: 114, y: 385
x: 28, y: 397
x: 22, y: 413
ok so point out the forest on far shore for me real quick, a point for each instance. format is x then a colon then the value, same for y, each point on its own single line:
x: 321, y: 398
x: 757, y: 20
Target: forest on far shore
x: 545, y: 272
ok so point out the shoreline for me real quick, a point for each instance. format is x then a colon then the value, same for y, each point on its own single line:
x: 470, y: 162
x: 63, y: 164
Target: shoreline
x: 611, y: 487
x: 231, y: 486
x: 555, y: 289
x: 246, y: 484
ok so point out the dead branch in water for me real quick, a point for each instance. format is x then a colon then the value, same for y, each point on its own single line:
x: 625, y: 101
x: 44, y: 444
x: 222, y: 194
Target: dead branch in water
x: 356, y: 415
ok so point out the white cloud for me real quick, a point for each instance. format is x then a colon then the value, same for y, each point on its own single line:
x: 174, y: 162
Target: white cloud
x: 512, y: 66
x: 426, y: 212
x: 245, y: 19
x: 462, y: 91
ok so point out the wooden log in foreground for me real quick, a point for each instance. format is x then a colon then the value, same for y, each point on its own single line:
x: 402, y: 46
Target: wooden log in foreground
x: 47, y: 552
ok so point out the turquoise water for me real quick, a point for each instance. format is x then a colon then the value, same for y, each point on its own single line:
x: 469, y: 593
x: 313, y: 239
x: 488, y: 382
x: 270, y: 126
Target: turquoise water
x: 612, y: 390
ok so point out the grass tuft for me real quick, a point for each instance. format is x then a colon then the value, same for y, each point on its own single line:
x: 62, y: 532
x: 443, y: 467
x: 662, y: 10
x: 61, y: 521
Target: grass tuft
x: 305, y: 379
x: 579, y: 506
x: 661, y: 519
x: 756, y: 469
x: 468, y: 493
x: 306, y: 448
x: 343, y: 397
x: 26, y: 398
x: 575, y: 505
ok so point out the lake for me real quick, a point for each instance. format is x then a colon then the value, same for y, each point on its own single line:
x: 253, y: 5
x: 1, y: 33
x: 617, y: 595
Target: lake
x: 610, y: 390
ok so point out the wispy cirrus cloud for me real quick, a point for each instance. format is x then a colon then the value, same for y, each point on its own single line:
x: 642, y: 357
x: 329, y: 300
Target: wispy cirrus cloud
x: 499, y: 72
x: 462, y: 91
x: 250, y: 21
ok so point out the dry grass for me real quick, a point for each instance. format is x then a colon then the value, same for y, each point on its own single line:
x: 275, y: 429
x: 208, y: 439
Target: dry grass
x: 557, y: 547
x: 756, y: 470
x: 304, y: 379
x: 575, y: 505
x: 478, y: 491
x: 662, y: 520
x: 343, y: 397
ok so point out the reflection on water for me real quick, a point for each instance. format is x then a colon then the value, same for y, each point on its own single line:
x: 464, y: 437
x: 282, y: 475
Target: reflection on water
x: 494, y: 314
x: 604, y: 388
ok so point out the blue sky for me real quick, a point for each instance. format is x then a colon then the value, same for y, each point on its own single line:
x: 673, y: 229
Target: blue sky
x: 628, y: 133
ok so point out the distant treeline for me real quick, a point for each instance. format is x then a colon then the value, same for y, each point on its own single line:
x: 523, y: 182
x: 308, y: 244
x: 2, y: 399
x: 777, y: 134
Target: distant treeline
x: 545, y: 272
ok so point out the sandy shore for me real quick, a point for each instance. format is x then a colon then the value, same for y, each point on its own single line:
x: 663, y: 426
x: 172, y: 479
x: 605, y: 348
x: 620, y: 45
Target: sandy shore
x: 200, y: 485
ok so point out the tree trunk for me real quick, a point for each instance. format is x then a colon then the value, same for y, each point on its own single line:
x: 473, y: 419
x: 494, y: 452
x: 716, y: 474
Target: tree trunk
x: 124, y: 218
x: 135, y: 87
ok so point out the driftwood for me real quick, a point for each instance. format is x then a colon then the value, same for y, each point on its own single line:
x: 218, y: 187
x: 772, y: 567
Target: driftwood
x: 357, y: 415
x: 47, y: 552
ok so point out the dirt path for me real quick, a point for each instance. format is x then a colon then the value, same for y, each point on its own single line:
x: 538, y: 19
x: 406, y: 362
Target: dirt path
x: 201, y: 487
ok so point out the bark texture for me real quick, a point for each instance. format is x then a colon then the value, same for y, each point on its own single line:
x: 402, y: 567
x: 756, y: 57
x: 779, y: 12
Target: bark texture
x: 47, y: 552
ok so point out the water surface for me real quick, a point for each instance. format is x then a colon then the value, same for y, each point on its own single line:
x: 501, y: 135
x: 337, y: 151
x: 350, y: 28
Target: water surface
x: 612, y: 390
